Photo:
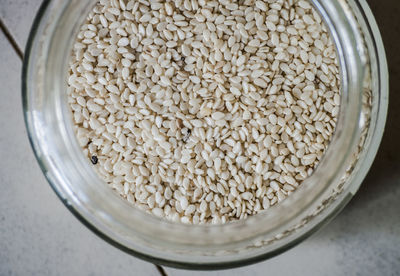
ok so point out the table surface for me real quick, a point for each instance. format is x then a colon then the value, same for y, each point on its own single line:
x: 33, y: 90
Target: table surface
x: 39, y: 236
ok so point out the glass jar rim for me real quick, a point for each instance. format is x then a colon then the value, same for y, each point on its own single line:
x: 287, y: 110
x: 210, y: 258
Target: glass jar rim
x: 101, y: 222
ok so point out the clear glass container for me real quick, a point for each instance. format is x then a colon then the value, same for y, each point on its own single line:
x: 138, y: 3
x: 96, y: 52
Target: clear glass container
x: 317, y: 200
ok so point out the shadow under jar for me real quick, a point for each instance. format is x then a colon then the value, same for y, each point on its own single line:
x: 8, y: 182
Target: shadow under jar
x: 364, y: 99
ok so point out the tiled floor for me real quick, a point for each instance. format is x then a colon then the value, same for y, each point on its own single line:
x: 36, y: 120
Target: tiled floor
x: 38, y: 236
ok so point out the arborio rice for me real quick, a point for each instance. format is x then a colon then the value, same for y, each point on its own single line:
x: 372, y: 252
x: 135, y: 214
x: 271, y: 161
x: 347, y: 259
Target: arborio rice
x: 204, y: 111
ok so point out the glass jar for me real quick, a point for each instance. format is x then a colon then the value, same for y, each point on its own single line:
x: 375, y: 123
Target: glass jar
x: 364, y: 79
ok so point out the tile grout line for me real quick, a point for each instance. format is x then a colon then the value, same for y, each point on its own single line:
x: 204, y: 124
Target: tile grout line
x: 161, y: 270
x: 11, y: 39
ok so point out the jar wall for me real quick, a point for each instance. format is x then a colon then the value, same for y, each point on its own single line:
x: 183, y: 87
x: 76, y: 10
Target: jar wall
x: 259, y: 237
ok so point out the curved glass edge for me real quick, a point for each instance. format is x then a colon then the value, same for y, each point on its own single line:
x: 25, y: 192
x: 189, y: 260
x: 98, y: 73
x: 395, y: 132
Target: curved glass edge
x: 370, y: 156
x: 383, y: 73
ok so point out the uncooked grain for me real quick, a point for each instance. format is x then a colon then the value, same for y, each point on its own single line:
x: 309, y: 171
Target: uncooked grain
x: 204, y: 111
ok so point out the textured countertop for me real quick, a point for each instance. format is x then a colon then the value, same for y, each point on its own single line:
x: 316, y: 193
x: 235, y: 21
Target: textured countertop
x: 39, y: 236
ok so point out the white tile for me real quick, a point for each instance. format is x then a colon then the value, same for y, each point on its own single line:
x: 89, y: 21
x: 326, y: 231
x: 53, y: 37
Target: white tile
x: 38, y: 235
x: 18, y: 16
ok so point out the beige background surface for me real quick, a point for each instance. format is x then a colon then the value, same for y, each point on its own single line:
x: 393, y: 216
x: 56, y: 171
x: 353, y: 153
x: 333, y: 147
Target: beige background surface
x: 39, y: 236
